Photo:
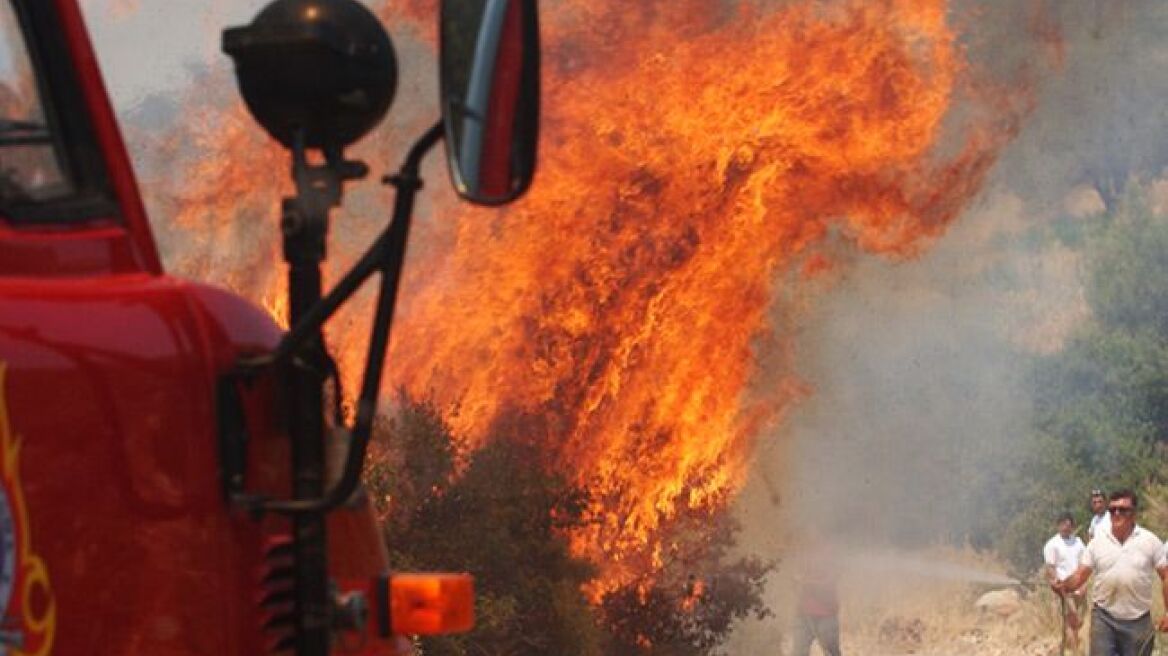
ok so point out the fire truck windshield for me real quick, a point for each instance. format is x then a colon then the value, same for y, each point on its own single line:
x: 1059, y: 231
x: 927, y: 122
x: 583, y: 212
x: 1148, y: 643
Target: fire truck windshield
x: 30, y: 166
x: 52, y: 169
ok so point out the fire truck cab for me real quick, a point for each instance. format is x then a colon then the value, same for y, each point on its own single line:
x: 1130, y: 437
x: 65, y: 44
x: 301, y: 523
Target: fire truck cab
x: 159, y: 492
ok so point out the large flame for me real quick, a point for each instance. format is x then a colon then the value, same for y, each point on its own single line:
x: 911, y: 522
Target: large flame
x: 617, y: 314
x: 696, y: 158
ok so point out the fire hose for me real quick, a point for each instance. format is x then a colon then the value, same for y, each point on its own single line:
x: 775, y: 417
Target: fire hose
x: 1063, y: 631
x: 1148, y: 639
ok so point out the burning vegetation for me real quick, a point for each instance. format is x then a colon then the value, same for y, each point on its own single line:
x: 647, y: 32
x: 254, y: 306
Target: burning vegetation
x: 618, y: 316
x: 607, y: 341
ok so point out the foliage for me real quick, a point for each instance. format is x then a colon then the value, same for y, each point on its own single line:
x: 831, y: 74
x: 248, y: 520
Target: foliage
x: 1101, y: 403
x: 498, y: 513
x: 495, y: 515
x: 690, y: 605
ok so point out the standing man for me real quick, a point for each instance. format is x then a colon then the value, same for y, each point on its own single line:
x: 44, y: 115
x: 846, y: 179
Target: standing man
x: 1061, y: 555
x: 1099, y: 516
x: 817, y: 603
x: 1125, y: 560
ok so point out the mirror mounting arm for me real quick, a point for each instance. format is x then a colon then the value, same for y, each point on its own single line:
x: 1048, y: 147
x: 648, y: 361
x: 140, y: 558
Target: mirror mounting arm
x: 304, y: 221
x: 406, y: 180
x: 387, y: 254
x: 408, y: 175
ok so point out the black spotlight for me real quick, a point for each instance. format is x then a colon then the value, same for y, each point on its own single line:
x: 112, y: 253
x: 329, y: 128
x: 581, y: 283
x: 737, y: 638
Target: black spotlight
x: 324, y: 68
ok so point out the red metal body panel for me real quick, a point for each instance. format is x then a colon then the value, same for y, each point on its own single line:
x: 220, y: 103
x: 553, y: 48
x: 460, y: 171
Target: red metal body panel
x: 110, y: 391
x: 108, y: 373
x: 89, y: 250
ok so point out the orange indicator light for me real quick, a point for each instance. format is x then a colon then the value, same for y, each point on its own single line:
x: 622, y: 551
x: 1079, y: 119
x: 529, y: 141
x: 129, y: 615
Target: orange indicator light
x: 431, y: 604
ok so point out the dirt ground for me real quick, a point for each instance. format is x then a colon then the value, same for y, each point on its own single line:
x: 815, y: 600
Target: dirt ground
x: 897, y: 612
x: 942, y: 620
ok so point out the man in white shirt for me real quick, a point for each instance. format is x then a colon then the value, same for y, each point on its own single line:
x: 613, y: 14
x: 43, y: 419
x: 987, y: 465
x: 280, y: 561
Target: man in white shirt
x: 1061, y: 555
x: 1100, y: 520
x: 1125, y: 561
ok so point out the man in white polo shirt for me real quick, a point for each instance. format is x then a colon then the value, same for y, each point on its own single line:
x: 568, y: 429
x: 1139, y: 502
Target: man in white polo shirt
x: 1061, y: 555
x: 1099, y: 520
x: 1125, y: 562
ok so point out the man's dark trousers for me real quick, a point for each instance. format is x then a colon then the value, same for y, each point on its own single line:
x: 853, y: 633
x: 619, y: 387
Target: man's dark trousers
x: 1115, y: 637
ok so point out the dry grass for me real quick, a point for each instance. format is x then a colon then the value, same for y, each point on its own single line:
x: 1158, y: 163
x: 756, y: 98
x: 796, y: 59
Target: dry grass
x: 902, y: 613
x: 895, y: 612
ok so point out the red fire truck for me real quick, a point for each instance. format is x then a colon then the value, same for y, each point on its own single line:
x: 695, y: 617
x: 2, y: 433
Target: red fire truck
x: 175, y: 477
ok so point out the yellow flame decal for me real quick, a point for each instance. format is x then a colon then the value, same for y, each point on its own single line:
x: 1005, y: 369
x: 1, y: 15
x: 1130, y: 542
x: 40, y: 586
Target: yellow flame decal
x: 30, y: 570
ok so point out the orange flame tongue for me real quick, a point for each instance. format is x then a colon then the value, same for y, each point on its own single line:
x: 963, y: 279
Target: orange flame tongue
x: 616, y: 310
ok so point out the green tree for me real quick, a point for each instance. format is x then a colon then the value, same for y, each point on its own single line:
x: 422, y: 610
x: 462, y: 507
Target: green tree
x: 500, y: 514
x: 689, y: 606
x: 497, y: 515
x: 1101, y: 403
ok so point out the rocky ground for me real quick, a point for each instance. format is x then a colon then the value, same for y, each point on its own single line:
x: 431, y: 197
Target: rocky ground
x: 896, y: 613
x: 1015, y: 624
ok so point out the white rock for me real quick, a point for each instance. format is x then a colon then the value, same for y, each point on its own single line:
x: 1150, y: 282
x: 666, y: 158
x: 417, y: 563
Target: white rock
x: 1003, y: 603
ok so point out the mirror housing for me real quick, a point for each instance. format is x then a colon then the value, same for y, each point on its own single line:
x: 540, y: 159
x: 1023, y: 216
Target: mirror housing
x: 490, y: 96
x: 325, y: 68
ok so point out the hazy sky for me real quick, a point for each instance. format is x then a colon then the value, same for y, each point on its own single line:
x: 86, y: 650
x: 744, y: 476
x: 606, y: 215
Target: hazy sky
x: 150, y: 47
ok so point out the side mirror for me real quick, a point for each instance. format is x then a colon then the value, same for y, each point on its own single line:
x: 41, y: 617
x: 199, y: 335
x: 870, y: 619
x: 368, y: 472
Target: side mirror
x: 490, y: 96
